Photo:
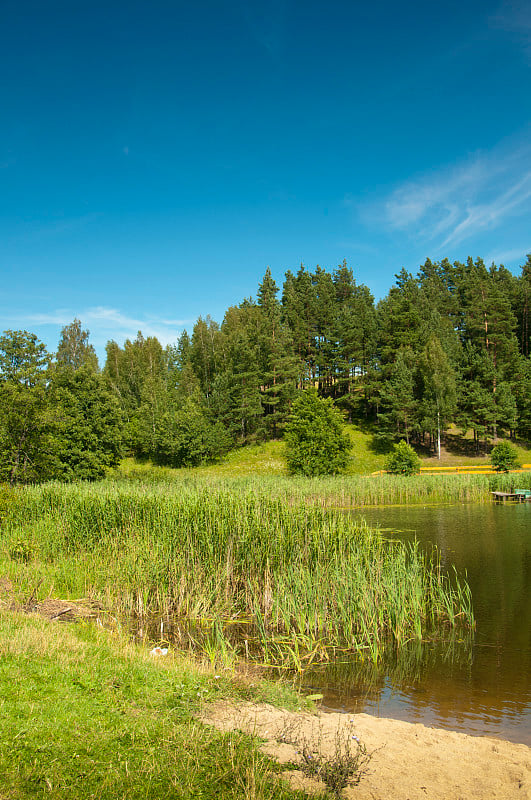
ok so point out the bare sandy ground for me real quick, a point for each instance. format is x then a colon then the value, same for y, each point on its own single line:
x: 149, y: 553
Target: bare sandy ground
x: 409, y: 761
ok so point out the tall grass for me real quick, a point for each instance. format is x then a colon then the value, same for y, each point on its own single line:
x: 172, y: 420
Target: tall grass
x: 303, y: 578
x: 341, y: 491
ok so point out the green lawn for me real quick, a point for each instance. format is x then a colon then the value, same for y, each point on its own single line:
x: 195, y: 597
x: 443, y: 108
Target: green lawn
x: 85, y: 714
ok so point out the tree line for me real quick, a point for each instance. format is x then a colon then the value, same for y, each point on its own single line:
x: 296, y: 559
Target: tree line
x: 448, y: 345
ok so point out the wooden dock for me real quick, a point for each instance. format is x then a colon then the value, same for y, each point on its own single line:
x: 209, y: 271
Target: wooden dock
x: 513, y: 497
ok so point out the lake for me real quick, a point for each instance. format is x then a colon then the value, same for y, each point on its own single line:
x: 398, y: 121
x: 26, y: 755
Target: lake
x: 478, y: 684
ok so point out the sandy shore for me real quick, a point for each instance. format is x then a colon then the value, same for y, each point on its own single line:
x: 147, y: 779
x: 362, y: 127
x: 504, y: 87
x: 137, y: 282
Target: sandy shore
x: 409, y: 761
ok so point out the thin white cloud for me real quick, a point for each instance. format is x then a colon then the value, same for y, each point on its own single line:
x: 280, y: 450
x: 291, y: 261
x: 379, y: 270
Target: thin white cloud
x: 488, y: 215
x: 107, y: 323
x: 458, y: 202
x: 516, y: 255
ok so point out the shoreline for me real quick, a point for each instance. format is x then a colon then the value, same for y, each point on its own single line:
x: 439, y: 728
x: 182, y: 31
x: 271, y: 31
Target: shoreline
x: 89, y: 673
x: 410, y: 761
x: 504, y: 735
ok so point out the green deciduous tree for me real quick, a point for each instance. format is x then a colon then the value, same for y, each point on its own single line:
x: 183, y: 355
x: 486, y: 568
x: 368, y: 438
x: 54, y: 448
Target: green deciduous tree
x: 186, y: 437
x: 26, y: 425
x: 23, y: 358
x: 27, y: 442
x: 55, y: 422
x: 87, y: 424
x: 205, y: 352
x: 315, y: 441
x: 74, y: 350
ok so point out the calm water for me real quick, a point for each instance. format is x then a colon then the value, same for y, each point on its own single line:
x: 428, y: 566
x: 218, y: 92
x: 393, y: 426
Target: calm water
x: 480, y: 684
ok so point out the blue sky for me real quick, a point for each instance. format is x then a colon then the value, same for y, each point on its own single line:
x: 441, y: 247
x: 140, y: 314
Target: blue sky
x: 156, y: 157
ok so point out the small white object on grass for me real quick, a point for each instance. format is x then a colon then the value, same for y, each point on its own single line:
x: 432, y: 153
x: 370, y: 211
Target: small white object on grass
x: 159, y: 651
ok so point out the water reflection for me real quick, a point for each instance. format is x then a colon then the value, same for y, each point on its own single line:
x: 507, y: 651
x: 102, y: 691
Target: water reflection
x: 479, y: 685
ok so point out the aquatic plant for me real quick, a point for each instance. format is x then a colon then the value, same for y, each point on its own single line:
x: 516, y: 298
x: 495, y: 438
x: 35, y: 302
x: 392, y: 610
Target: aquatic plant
x: 301, y: 578
x: 339, y: 491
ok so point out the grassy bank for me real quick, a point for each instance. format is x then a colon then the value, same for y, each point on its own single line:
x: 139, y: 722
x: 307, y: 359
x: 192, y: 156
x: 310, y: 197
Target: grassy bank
x: 369, y: 454
x: 268, y: 569
x: 339, y: 491
x: 84, y: 714
x: 297, y: 579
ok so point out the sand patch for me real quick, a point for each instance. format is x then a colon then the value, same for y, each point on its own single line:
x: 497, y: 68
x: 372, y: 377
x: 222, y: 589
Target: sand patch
x: 409, y: 762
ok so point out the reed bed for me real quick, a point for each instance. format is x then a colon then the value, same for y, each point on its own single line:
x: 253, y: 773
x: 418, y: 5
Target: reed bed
x: 355, y: 491
x: 303, y: 578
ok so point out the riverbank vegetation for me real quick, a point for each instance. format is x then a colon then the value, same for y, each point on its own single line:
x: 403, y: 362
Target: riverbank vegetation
x: 295, y: 580
x: 445, y: 355
x: 258, y: 469
x: 85, y: 714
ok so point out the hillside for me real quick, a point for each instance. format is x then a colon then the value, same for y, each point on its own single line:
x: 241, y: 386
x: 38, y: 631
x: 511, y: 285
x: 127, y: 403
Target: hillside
x: 367, y: 456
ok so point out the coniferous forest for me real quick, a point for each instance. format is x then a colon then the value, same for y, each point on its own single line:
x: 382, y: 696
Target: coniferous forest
x: 449, y: 346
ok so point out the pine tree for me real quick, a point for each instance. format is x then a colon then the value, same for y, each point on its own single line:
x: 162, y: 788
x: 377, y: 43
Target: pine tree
x: 490, y: 329
x: 236, y: 392
x: 398, y: 396
x: 522, y: 308
x: 298, y: 312
x: 279, y: 367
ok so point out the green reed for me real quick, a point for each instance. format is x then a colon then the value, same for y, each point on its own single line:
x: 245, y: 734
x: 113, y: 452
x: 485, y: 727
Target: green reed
x: 353, y: 491
x: 308, y: 578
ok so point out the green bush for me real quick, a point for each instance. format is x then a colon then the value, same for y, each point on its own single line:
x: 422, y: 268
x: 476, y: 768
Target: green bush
x: 504, y: 457
x: 403, y: 460
x: 315, y: 442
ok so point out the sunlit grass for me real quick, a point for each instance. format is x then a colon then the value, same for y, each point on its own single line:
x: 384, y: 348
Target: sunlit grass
x: 267, y: 459
x: 85, y: 714
x: 301, y: 576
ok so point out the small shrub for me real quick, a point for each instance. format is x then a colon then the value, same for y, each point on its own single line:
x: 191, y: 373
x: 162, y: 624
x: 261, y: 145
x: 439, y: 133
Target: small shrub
x: 345, y: 766
x: 403, y: 460
x: 504, y: 457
